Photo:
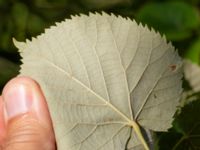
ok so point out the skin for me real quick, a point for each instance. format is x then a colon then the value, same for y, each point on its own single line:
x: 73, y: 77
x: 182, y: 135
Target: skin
x: 25, y: 122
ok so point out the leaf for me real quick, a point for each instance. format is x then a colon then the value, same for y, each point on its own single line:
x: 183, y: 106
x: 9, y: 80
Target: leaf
x: 103, y: 77
x: 192, y: 74
x: 99, y: 4
x: 187, y: 129
x: 178, y: 21
x: 6, y: 27
x: 35, y: 24
x: 167, y: 140
x: 20, y: 15
x: 7, y: 71
x: 193, y: 53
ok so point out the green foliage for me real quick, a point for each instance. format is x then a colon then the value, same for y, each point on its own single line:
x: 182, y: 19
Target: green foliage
x: 8, y: 70
x: 193, y: 52
x: 103, y: 3
x: 185, y: 134
x: 178, y: 19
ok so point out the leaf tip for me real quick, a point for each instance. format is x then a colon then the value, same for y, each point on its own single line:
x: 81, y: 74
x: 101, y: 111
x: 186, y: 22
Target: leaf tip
x: 20, y: 45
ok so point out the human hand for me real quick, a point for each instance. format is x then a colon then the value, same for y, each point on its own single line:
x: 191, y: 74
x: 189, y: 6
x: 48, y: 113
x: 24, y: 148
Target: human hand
x: 25, y: 123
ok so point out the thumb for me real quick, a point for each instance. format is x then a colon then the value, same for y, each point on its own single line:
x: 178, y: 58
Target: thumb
x: 27, y: 120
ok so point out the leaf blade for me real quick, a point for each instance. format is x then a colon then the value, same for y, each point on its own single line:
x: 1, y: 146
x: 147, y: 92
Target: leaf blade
x: 94, y: 73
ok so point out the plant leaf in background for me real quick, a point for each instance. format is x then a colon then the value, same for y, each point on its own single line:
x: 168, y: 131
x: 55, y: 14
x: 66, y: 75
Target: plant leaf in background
x: 192, y: 75
x: 175, y: 19
x: 103, y: 77
x: 7, y: 70
x: 35, y: 24
x: 20, y: 15
x: 187, y: 127
x: 193, y: 52
x: 104, y: 3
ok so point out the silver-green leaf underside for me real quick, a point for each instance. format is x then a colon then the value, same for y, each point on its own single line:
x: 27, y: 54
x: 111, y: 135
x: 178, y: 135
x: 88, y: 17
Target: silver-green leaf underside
x: 102, y: 74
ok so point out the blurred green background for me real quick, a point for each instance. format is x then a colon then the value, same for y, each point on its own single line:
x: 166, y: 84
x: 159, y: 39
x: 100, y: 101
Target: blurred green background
x: 179, y: 20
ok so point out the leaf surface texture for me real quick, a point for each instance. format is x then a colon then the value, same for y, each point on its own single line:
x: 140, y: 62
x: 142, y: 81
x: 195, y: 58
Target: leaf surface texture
x: 101, y: 74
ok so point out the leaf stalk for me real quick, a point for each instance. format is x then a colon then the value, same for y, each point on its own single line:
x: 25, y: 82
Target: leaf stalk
x: 139, y: 134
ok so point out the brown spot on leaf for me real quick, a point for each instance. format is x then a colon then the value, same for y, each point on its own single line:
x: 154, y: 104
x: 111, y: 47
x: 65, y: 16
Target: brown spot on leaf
x: 173, y: 67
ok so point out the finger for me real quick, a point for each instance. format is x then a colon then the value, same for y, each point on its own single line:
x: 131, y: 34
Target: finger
x: 28, y: 123
x: 2, y: 121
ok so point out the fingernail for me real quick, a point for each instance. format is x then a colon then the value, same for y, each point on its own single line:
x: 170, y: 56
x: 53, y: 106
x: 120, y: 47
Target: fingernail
x: 18, y: 100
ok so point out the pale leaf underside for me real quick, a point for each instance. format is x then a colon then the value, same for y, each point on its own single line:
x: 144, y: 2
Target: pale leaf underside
x: 100, y: 74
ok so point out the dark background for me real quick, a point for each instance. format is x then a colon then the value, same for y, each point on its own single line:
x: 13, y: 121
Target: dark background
x: 179, y: 20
